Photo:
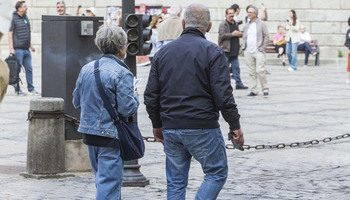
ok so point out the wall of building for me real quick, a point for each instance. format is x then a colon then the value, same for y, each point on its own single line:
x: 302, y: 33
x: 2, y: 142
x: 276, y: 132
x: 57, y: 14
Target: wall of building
x: 325, y: 20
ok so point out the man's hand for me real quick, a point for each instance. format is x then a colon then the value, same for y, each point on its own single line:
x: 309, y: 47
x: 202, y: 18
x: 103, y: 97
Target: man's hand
x: 32, y: 48
x: 12, y: 51
x: 158, y: 134
x: 236, y: 33
x: 238, y: 138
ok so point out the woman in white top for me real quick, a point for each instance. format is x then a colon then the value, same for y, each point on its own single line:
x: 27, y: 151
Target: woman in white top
x: 156, y: 20
x: 292, y: 39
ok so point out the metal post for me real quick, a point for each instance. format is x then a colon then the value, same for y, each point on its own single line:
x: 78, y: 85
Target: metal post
x: 132, y: 175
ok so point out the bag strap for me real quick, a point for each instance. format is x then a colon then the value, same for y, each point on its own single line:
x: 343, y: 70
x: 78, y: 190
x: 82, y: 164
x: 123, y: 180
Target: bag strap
x: 103, y: 95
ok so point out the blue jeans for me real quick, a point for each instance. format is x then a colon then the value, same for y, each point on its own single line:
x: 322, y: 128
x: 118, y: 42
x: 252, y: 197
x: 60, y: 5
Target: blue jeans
x: 236, y: 71
x: 307, y: 49
x: 207, y: 146
x: 291, y: 51
x: 108, y: 168
x: 25, y: 59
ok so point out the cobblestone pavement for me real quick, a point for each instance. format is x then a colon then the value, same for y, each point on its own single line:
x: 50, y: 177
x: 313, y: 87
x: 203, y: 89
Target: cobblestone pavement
x: 311, y: 103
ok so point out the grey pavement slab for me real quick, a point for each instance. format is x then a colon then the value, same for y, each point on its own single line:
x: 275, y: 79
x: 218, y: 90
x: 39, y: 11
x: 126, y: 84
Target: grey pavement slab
x: 311, y: 103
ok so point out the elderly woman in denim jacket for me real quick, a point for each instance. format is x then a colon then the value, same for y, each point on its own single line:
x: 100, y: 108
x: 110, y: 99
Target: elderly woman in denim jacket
x: 99, y: 132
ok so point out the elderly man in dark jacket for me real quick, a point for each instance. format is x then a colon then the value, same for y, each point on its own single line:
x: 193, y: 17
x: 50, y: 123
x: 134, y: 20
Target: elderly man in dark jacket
x: 188, y: 85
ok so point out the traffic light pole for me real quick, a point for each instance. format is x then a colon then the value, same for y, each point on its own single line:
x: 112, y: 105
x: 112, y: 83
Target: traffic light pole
x: 128, y: 7
x: 132, y: 175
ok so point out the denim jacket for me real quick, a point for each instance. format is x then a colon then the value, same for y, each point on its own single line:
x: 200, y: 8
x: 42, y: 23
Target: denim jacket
x: 118, y: 84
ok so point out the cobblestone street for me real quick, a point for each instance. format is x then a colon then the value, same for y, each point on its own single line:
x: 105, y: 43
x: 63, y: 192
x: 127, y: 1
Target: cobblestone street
x: 311, y: 103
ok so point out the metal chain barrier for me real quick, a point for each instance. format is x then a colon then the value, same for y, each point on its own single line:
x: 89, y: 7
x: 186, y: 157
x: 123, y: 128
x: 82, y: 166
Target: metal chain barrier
x: 291, y: 145
x: 249, y: 147
x: 72, y: 120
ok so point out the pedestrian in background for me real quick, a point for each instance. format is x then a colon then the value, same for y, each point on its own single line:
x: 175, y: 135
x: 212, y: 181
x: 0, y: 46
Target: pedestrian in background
x: 91, y: 12
x: 236, y: 10
x: 5, y: 21
x: 304, y: 44
x: 99, y: 131
x: 347, y: 44
x: 263, y: 13
x: 279, y: 40
x: 171, y: 28
x: 20, y: 43
x: 61, y: 8
x: 156, y: 20
x: 292, y: 39
x: 184, y: 108
x: 255, y: 40
x: 228, y: 40
x: 79, y: 11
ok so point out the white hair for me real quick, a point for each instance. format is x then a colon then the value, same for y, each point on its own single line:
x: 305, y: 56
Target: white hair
x: 175, y: 9
x: 197, y: 16
x: 110, y: 39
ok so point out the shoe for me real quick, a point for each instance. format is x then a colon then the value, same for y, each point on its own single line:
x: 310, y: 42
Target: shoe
x: 266, y: 94
x: 279, y: 55
x: 34, y: 93
x: 290, y: 69
x: 251, y: 94
x: 284, y: 64
x: 314, y: 54
x: 241, y: 87
x: 20, y: 93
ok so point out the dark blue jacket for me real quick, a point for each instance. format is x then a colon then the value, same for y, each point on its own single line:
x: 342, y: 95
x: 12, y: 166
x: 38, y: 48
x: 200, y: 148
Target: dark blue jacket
x: 188, y: 84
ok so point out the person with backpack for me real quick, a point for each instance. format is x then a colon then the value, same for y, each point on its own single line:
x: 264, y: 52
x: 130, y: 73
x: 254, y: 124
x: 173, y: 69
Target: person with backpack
x: 19, y: 44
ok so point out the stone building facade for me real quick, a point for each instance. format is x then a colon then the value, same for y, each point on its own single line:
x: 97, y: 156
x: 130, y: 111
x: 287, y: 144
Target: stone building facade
x: 326, y: 20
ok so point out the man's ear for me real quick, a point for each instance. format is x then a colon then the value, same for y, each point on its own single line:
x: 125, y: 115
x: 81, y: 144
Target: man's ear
x: 209, y: 27
x: 183, y: 24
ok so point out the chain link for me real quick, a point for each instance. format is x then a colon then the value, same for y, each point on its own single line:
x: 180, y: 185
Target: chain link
x: 149, y: 139
x: 248, y: 147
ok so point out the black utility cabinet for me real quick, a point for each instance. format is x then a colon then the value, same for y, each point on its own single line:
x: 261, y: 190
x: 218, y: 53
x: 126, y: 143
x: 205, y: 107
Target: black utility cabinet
x: 67, y: 45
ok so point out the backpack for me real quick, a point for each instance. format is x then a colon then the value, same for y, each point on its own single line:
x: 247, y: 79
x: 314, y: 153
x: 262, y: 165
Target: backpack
x: 14, y: 68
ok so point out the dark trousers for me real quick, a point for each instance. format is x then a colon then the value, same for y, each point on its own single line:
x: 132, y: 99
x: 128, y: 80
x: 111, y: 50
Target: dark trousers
x: 307, y: 49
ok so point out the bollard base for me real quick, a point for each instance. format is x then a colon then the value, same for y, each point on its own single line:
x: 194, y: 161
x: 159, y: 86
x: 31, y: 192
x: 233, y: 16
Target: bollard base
x: 46, y: 176
x: 132, y: 175
x: 138, y: 183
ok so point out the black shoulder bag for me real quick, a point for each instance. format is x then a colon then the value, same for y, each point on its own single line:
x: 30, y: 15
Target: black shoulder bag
x: 130, y: 139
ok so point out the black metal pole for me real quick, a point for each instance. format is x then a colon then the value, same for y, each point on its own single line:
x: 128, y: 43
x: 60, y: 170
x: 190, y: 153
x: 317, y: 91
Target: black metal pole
x: 132, y: 175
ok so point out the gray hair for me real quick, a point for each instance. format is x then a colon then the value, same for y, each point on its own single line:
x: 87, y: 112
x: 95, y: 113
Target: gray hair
x: 175, y: 9
x: 256, y: 10
x: 61, y: 2
x: 110, y: 39
x: 197, y: 16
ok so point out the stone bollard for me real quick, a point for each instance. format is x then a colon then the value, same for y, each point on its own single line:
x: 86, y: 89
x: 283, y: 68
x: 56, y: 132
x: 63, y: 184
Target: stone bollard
x: 46, y: 142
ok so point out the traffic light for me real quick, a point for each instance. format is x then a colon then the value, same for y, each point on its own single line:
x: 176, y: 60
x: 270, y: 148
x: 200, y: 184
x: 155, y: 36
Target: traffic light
x: 145, y: 46
x: 131, y: 29
x: 138, y: 34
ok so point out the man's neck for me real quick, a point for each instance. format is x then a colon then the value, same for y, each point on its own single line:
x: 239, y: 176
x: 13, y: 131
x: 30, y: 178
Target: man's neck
x: 253, y: 20
x: 231, y: 21
x: 20, y: 14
